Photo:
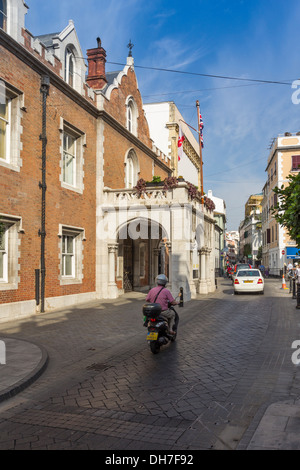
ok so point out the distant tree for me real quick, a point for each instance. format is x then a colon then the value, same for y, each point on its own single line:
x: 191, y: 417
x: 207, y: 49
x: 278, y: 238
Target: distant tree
x: 287, y: 209
x: 259, y: 254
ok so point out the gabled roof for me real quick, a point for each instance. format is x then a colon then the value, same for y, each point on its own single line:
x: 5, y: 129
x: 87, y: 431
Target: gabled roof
x: 47, y: 39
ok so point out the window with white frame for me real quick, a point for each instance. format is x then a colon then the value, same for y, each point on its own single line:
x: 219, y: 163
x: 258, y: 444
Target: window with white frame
x: 72, y: 145
x: 69, y: 159
x: 71, y: 254
x: 11, y: 107
x: 131, y: 115
x: 68, y: 256
x: 3, y: 14
x: 69, y: 66
x: 10, y: 228
x: 131, y: 169
x: 5, y: 126
x: 3, y: 253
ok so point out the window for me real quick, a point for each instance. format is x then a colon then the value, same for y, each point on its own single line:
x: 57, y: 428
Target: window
x: 131, y: 115
x: 68, y: 255
x: 3, y: 252
x: 69, y: 67
x: 5, y: 125
x: 3, y: 14
x: 10, y: 228
x: 11, y: 106
x: 296, y: 163
x: 69, y: 159
x: 71, y: 254
x: 72, y: 150
x: 131, y: 169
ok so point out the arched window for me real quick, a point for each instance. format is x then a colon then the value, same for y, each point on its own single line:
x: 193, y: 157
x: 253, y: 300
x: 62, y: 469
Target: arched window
x: 131, y: 115
x: 3, y: 14
x: 131, y: 169
x: 69, y: 66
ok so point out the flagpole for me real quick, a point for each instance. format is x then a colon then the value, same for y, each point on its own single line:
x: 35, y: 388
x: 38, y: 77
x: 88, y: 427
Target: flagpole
x: 200, y: 148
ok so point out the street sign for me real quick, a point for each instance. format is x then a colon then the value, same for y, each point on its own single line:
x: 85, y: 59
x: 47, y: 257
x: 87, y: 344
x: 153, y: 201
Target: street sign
x: 283, y: 252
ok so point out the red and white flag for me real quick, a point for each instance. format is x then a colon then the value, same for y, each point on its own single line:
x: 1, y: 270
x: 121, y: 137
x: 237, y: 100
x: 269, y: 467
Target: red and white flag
x: 201, y: 126
x: 181, y: 138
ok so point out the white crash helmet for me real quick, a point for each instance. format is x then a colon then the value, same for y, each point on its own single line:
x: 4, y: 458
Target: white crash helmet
x: 161, y: 280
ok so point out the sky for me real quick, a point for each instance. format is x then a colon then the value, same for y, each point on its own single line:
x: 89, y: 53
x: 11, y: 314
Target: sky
x: 224, y: 53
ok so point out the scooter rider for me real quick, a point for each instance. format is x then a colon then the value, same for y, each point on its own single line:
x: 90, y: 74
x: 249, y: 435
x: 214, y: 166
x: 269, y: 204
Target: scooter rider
x: 163, y: 296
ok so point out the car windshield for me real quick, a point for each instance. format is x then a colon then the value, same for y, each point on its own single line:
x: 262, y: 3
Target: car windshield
x: 248, y: 273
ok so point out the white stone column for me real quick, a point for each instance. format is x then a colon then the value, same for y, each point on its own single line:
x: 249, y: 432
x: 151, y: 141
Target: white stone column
x: 202, y: 281
x: 112, y: 286
x: 193, y: 287
x: 208, y: 270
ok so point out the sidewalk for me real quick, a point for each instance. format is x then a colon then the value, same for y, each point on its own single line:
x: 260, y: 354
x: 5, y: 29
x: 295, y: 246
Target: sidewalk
x: 275, y: 427
x: 22, y: 364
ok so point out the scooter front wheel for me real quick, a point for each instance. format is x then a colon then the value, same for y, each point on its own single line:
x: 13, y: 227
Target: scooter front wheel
x: 155, y: 347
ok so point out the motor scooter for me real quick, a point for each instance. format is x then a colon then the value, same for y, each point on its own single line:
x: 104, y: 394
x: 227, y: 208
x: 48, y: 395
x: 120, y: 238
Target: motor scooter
x: 158, y: 328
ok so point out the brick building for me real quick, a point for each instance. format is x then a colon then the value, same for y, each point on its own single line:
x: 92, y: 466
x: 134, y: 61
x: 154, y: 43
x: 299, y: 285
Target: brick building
x: 74, y: 142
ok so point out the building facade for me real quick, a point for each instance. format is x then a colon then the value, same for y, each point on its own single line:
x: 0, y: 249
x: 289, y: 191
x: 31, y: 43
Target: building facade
x: 232, y: 245
x: 74, y: 143
x: 283, y: 160
x: 220, y: 233
x: 250, y: 229
x: 171, y: 134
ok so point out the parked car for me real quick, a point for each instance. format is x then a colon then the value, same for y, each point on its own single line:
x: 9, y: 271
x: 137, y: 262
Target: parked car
x: 248, y: 280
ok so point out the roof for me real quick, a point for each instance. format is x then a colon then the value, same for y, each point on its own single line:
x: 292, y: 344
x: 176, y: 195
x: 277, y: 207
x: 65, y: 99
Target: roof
x: 47, y: 39
x: 110, y: 76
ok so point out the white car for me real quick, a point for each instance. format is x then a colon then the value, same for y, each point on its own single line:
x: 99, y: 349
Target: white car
x: 248, y: 280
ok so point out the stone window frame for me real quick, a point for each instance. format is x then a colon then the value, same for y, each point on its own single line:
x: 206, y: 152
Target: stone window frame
x: 80, y: 139
x: 132, y: 168
x: 3, y: 16
x: 13, y: 228
x: 70, y: 58
x: 78, y: 233
x: 131, y: 115
x: 13, y: 160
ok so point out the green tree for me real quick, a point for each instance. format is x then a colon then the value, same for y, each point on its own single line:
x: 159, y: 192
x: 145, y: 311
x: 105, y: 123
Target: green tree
x: 287, y: 209
x: 259, y: 254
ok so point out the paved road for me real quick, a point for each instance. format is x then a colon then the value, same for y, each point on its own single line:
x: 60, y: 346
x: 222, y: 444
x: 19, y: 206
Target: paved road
x: 103, y: 389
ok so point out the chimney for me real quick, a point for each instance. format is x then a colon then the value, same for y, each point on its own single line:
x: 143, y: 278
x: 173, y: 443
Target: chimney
x: 96, y: 67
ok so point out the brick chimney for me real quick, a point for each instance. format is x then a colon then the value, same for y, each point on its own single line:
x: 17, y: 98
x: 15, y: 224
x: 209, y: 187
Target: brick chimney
x: 96, y: 67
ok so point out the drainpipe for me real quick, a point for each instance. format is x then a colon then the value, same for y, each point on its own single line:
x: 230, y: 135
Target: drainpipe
x: 45, y: 84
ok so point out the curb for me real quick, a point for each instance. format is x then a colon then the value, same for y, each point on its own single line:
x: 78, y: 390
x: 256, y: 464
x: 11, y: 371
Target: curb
x: 19, y: 386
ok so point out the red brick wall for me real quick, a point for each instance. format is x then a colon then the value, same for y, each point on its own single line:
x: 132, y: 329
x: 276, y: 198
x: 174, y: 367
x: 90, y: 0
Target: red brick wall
x: 116, y: 146
x: 21, y: 194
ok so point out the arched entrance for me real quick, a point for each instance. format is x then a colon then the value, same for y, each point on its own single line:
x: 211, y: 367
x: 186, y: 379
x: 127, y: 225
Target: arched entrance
x: 142, y: 254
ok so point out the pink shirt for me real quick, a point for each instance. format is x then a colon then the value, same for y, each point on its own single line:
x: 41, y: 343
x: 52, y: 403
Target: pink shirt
x: 163, y: 298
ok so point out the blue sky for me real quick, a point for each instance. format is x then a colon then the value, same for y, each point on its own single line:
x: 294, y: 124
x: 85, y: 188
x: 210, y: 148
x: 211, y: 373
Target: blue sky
x: 230, y: 38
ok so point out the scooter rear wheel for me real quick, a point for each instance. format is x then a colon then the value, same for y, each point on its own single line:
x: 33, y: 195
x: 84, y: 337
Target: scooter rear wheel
x: 155, y: 347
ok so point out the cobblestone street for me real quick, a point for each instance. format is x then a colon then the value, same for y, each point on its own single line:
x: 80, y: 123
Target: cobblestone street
x: 103, y: 389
